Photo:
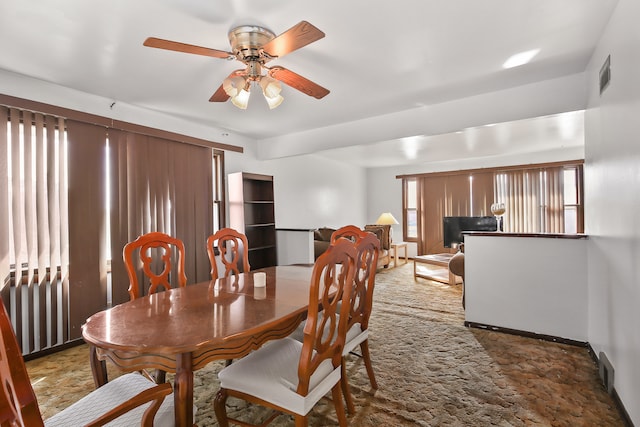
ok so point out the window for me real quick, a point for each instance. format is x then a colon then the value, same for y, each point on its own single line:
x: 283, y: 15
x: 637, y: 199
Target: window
x: 572, y: 200
x: 33, y: 223
x: 410, y: 210
x: 127, y: 179
x: 218, y: 190
x: 544, y: 200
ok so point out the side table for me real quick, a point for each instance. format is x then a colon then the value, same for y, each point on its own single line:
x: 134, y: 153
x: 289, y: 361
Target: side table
x: 394, y: 247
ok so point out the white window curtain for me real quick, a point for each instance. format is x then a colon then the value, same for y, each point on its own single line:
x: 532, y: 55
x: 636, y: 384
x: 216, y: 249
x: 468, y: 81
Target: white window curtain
x: 34, y: 253
x: 533, y: 198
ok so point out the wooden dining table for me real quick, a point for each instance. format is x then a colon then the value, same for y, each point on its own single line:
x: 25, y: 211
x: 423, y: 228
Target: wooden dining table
x: 182, y: 330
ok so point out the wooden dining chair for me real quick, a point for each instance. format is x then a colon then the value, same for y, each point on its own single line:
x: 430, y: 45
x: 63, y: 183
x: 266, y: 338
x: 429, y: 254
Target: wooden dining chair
x: 157, y: 269
x: 130, y: 399
x: 233, y: 248
x: 368, y: 248
x: 351, y: 232
x: 138, y: 255
x: 292, y: 376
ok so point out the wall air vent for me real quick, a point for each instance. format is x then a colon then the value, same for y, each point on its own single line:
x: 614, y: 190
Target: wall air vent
x: 605, y: 74
x: 605, y: 369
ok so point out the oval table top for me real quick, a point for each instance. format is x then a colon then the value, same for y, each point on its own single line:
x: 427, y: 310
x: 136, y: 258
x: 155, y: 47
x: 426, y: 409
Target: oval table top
x: 202, y: 314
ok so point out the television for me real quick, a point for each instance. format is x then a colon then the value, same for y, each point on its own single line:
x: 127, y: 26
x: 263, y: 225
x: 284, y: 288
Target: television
x: 453, y: 226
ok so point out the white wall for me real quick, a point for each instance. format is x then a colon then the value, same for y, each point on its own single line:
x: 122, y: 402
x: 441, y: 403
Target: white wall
x: 310, y: 191
x: 612, y: 203
x: 37, y: 90
x: 532, y: 284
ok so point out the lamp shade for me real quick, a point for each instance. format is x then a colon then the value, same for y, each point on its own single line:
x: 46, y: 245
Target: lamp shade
x: 270, y: 87
x: 274, y: 102
x: 241, y: 100
x: 232, y: 86
x: 386, y: 219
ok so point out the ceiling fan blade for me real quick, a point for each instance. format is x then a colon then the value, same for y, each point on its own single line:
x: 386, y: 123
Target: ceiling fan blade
x: 294, y: 38
x: 298, y: 82
x: 186, y: 48
x: 220, y: 95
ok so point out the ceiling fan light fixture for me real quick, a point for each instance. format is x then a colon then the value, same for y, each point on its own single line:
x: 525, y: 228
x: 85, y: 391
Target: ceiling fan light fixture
x: 241, y: 100
x: 271, y: 87
x: 233, y: 86
x: 255, y: 46
x: 274, y: 101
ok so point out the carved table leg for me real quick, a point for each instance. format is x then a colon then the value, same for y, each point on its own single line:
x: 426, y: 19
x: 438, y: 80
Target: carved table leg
x: 183, y: 390
x: 98, y: 368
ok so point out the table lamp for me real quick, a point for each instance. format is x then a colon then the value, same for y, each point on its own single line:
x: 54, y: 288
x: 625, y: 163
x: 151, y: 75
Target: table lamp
x: 387, y: 219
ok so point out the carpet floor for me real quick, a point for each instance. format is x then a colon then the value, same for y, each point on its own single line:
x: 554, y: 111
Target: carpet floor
x: 431, y: 371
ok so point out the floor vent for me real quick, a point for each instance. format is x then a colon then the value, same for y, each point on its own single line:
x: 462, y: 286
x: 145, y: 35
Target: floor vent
x: 605, y: 369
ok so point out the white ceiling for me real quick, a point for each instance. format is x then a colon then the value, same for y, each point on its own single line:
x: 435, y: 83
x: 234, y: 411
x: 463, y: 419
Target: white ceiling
x: 378, y: 59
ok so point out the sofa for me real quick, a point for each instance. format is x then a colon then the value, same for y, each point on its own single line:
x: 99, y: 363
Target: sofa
x: 322, y: 239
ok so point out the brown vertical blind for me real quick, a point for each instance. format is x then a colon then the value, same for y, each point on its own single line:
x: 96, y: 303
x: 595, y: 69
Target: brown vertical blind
x: 439, y: 196
x: 33, y: 231
x: 87, y: 215
x: 162, y: 186
x: 54, y: 243
x: 533, y: 196
x: 482, y: 195
x: 443, y: 195
x: 5, y: 263
x: 534, y: 199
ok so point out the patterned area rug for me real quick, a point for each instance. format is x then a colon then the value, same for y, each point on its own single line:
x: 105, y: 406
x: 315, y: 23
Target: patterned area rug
x: 431, y: 371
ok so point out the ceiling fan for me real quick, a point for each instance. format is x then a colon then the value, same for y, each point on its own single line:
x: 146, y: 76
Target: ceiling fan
x: 255, y: 46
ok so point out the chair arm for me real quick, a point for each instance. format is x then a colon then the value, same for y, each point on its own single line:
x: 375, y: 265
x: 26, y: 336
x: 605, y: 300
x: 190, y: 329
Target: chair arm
x: 156, y: 394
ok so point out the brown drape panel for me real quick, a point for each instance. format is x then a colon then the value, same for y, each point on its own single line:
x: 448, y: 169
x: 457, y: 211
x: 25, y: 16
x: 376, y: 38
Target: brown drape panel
x: 439, y: 196
x: 449, y: 195
x: 87, y: 223
x: 482, y: 196
x: 161, y: 186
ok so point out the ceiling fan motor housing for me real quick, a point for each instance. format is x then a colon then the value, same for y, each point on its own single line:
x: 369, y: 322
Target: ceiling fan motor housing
x: 247, y: 41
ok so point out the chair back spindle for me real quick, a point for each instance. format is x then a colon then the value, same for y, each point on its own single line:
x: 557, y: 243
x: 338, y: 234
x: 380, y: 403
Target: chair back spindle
x: 324, y: 335
x: 233, y: 250
x: 139, y: 256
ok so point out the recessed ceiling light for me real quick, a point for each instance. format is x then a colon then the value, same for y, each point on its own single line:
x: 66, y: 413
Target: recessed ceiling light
x: 409, y: 146
x: 520, y: 58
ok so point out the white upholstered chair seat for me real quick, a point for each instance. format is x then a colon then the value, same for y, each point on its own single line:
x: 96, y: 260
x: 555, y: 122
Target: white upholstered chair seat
x: 271, y: 374
x: 109, y: 396
x: 355, y: 335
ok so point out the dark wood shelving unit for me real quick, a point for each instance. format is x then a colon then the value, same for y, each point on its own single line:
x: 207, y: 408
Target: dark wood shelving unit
x: 252, y: 212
